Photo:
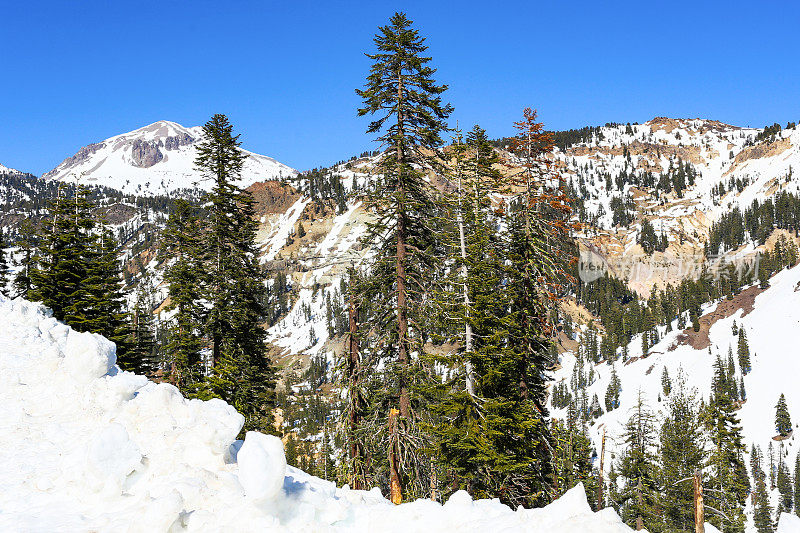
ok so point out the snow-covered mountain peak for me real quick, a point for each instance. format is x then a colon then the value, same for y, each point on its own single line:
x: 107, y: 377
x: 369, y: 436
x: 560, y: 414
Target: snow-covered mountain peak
x: 155, y: 159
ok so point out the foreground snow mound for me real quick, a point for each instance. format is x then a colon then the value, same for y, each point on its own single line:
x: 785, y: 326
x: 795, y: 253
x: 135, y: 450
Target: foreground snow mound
x: 85, y: 446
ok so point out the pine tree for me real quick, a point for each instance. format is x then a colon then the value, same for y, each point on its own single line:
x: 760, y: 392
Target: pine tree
x: 185, y: 279
x: 4, y: 268
x: 241, y: 372
x: 404, y: 98
x: 613, y: 390
x: 104, y: 290
x: 77, y: 271
x: 142, y: 343
x: 539, y: 251
x: 356, y: 468
x: 744, y: 353
x: 762, y: 512
x: 638, y: 465
x: 682, y: 453
x: 62, y: 260
x: 572, y: 458
x: 783, y: 422
x: 27, y: 247
x: 730, y: 372
x: 728, y: 475
x: 797, y: 485
x: 666, y: 382
x: 784, y: 484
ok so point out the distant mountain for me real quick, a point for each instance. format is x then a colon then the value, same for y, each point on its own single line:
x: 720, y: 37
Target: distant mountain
x: 155, y: 159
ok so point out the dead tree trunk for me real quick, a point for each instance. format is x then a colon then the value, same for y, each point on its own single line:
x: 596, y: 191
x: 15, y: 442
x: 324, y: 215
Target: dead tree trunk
x: 699, y: 525
x: 600, y: 472
x: 467, y: 324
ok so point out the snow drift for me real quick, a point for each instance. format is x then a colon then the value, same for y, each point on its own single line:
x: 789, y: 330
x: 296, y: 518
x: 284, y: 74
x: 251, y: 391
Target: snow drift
x: 86, y: 446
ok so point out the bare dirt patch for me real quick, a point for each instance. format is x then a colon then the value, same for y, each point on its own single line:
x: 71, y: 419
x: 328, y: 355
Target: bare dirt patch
x: 699, y: 340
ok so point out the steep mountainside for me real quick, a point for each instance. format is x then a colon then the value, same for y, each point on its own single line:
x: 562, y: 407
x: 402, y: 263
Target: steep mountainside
x: 675, y: 178
x: 678, y: 175
x: 767, y: 318
x: 155, y: 159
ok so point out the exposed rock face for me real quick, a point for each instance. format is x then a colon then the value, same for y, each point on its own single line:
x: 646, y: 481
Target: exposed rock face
x: 693, y: 125
x: 272, y: 197
x: 173, y: 142
x: 82, y: 155
x: 145, y: 154
x: 762, y: 150
x: 156, y: 159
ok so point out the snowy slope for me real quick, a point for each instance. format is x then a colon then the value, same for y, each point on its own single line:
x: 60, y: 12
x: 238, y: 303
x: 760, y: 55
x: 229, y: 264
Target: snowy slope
x: 771, y: 330
x: 155, y: 159
x: 86, y: 446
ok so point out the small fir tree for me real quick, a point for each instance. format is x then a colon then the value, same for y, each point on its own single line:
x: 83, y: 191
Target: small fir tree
x: 743, y: 351
x: 783, y: 422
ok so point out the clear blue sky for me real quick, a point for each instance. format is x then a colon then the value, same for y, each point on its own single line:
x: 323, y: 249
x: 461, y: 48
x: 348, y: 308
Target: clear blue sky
x: 75, y: 72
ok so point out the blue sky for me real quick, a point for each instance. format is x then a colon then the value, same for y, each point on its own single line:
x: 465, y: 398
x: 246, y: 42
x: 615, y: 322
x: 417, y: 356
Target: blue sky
x: 75, y: 72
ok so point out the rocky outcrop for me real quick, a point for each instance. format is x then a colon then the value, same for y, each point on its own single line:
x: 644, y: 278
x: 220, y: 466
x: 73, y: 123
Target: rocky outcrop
x: 762, y: 150
x: 273, y: 197
x: 173, y: 142
x: 145, y: 154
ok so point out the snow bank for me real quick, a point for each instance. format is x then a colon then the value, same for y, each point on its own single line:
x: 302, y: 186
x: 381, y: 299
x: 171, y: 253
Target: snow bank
x: 788, y: 523
x: 85, y: 446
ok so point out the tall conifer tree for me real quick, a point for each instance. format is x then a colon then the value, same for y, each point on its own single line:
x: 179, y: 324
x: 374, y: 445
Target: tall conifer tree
x: 27, y: 247
x: 409, y: 117
x: 241, y: 372
x: 185, y: 277
x: 783, y: 422
x: 682, y: 452
x: 728, y: 475
x: 638, y: 465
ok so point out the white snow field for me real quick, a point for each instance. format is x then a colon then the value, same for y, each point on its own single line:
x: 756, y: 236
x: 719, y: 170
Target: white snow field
x: 87, y: 447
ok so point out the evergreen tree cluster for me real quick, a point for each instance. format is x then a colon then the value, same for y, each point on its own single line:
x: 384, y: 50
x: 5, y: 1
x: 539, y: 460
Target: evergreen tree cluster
x: 756, y: 223
x: 75, y: 270
x: 649, y: 241
x: 453, y: 268
x: 325, y: 184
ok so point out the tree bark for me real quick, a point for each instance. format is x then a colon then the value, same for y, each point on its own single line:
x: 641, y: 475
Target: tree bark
x: 395, y: 489
x: 600, y: 472
x: 403, y: 356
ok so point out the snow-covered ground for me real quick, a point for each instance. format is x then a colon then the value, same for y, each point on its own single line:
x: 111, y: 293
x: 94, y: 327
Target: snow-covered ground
x: 87, y: 447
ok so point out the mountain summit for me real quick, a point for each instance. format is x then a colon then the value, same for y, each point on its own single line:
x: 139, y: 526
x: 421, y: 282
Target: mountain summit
x: 155, y: 159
